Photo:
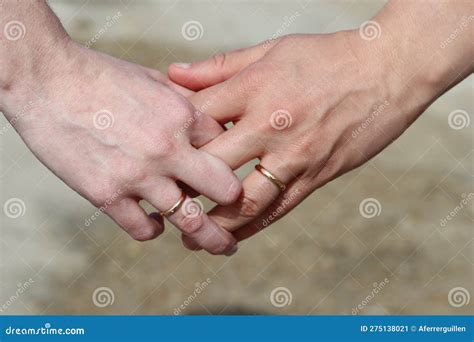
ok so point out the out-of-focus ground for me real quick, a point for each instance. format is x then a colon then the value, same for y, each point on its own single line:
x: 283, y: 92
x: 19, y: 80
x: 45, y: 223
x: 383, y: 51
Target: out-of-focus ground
x: 325, y: 253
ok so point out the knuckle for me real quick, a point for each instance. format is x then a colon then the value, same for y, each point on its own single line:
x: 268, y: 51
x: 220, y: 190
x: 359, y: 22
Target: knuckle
x: 219, y: 60
x: 254, y: 76
x: 98, y: 195
x: 161, y: 149
x: 140, y: 175
x: 287, y: 41
x: 249, y: 207
x: 191, y: 224
x: 304, y: 147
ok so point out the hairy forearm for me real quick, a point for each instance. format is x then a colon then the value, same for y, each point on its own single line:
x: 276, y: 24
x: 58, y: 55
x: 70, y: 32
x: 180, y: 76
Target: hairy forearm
x: 32, y: 38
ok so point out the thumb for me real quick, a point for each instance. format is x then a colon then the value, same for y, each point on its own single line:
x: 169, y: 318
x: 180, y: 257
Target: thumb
x: 216, y: 69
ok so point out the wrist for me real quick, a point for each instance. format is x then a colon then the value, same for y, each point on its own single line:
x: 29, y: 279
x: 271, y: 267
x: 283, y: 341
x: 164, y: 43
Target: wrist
x: 26, y: 70
x: 30, y: 52
x: 413, y: 66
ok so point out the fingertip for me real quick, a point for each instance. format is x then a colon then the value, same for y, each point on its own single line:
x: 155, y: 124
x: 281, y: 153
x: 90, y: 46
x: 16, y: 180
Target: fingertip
x: 232, y: 251
x: 233, y: 192
x: 176, y: 70
x: 190, y: 243
x: 181, y: 65
x: 181, y: 74
x: 158, y: 223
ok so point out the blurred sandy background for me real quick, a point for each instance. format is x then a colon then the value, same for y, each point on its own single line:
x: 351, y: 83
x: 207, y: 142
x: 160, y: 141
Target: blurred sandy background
x: 325, y: 253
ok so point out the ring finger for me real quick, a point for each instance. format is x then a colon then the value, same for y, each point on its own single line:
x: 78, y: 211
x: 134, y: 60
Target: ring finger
x: 259, y: 192
x: 190, y: 218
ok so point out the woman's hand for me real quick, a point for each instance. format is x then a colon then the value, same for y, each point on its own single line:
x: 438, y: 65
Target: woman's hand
x: 117, y: 133
x: 312, y: 107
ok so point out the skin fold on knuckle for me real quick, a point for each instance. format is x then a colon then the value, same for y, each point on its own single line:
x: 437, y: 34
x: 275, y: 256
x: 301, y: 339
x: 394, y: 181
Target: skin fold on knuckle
x: 99, y: 195
x: 248, y: 206
x: 253, y: 78
x: 219, y: 60
x: 191, y: 224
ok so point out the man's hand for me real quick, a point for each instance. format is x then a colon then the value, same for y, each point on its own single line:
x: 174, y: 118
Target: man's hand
x: 116, y: 133
x: 312, y: 107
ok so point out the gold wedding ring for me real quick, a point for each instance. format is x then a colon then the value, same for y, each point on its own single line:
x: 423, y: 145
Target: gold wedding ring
x: 270, y: 177
x: 175, y: 207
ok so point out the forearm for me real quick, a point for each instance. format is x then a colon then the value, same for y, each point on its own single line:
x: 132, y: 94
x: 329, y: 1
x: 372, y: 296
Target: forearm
x: 423, y: 49
x: 32, y: 38
x: 434, y: 35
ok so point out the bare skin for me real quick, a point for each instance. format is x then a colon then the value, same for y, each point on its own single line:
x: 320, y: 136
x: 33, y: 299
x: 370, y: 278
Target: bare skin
x: 115, y: 132
x: 313, y: 107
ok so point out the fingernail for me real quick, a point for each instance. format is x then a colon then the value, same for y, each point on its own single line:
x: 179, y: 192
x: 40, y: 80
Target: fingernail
x: 232, y: 251
x: 233, y: 192
x: 182, y: 65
